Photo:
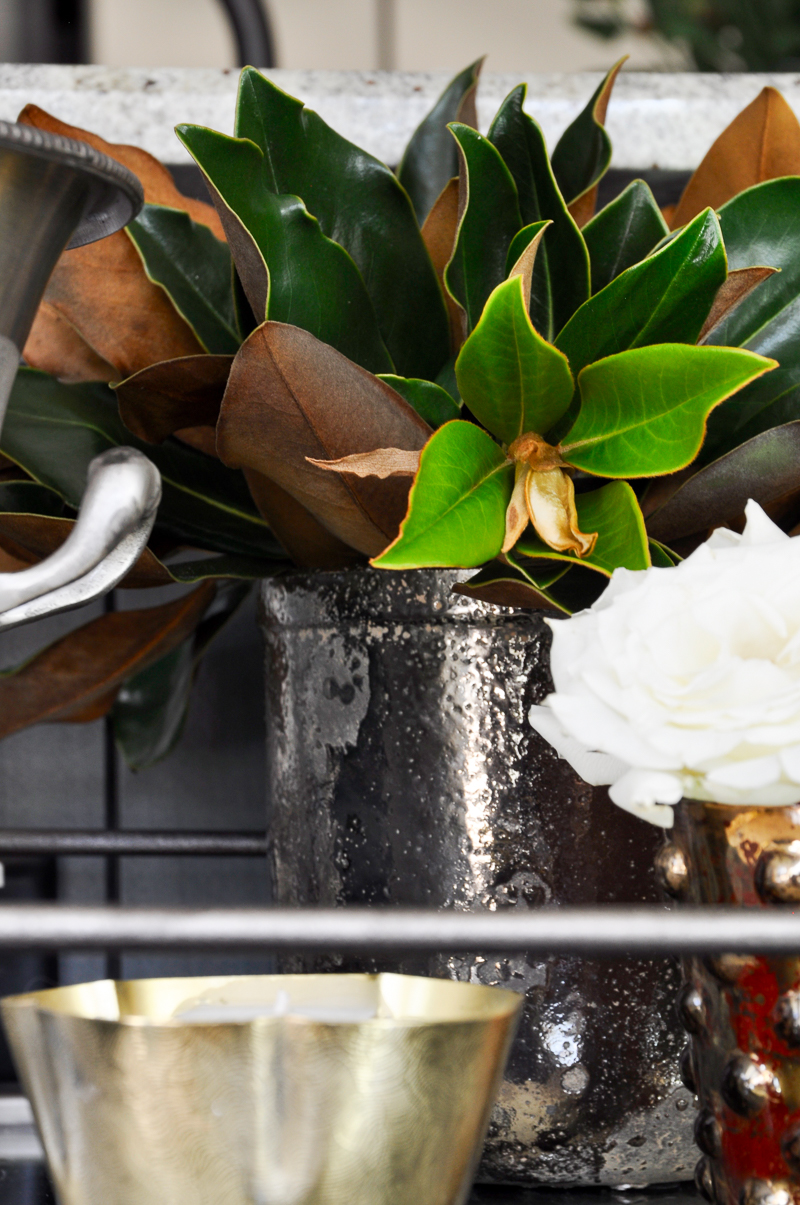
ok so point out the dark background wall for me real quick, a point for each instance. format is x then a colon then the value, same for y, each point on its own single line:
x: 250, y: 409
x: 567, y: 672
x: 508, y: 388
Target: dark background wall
x: 60, y: 776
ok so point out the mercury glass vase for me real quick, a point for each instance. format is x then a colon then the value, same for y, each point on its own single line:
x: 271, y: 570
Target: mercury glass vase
x: 402, y: 770
x: 742, y: 1012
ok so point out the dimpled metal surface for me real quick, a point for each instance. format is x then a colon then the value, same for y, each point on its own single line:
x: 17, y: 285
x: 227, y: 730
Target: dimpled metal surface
x: 402, y: 771
x: 139, y: 1103
x: 745, y: 1058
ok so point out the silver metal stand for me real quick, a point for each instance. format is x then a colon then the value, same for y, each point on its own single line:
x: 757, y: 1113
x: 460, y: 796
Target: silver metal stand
x: 56, y: 194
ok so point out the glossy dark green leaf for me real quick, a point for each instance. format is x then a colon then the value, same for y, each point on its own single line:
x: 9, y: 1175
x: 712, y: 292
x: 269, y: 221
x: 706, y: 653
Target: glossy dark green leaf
x: 457, y: 506
x: 643, y: 412
x: 360, y: 204
x: 613, y: 512
x: 150, y: 711
x: 762, y: 226
x: 506, y: 585
x: 431, y: 157
x: 30, y: 498
x: 583, y: 152
x: 661, y: 556
x: 578, y: 589
x: 193, y: 267
x: 447, y: 379
x: 520, y: 243
x: 764, y: 469
x: 290, y: 271
x: 511, y: 379
x: 431, y: 401
x: 623, y: 233
x: 561, y: 272
x: 53, y: 431
x: 151, y: 708
x: 663, y: 299
x: 489, y: 221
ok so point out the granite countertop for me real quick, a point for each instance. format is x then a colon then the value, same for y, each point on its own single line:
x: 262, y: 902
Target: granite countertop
x: 656, y: 120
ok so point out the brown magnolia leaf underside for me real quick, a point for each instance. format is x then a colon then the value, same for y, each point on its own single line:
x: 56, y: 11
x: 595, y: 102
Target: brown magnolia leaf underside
x: 524, y: 265
x: 202, y: 439
x: 506, y: 593
x: 101, y: 290
x: 290, y: 397
x: 31, y: 538
x: 78, y: 676
x: 156, y: 180
x: 251, y: 267
x: 762, y: 143
x: 306, y: 541
x: 439, y: 235
x: 173, y: 395
x: 583, y: 207
x: 55, y: 346
x: 383, y: 462
x: 739, y: 284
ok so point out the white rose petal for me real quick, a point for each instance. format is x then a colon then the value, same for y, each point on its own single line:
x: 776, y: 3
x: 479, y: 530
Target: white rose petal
x: 686, y: 681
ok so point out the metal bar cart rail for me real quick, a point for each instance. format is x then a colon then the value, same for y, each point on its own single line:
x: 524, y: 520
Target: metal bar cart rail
x: 607, y: 931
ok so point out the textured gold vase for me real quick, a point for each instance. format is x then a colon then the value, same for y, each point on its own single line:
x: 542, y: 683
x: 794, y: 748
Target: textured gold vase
x: 742, y: 1012
x: 142, y: 1101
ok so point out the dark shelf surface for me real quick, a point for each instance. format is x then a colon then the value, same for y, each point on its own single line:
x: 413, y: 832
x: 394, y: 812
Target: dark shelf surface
x: 25, y: 1183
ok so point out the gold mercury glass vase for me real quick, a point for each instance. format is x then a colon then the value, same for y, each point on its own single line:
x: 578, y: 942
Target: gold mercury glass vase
x: 742, y: 1011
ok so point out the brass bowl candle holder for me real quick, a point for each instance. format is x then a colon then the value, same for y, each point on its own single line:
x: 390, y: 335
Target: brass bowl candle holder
x: 281, y: 1090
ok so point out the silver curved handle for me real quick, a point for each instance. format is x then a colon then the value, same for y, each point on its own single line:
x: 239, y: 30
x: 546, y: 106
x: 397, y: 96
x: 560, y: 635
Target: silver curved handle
x: 114, y: 523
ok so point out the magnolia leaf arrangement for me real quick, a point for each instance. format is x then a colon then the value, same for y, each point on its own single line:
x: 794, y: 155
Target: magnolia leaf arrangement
x: 460, y: 364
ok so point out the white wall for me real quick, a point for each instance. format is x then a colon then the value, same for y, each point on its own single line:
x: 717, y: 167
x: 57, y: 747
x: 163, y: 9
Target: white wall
x: 413, y: 35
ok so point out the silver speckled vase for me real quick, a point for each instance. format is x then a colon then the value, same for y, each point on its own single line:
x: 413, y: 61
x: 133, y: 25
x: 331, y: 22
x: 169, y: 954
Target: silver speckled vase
x: 402, y: 770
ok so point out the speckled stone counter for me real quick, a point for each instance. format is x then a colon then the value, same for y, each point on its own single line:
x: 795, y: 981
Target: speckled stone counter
x: 655, y: 120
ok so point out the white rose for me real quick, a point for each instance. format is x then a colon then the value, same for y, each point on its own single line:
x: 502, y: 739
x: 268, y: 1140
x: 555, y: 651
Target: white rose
x: 686, y: 681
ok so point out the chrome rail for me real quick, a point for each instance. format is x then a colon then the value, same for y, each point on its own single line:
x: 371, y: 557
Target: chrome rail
x: 608, y: 931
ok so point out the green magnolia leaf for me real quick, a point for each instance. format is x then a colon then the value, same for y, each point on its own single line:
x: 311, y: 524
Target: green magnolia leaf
x: 447, y: 379
x: 53, y: 430
x: 583, y: 152
x: 359, y: 204
x: 431, y: 157
x: 578, y: 589
x: 623, y: 233
x: 511, y: 379
x: 661, y: 556
x: 764, y: 468
x: 613, y: 512
x: 521, y: 241
x: 489, y: 221
x: 561, y: 271
x: 30, y: 498
x: 457, y: 506
x: 193, y: 268
x: 151, y: 708
x: 200, y: 569
x: 506, y: 585
x: 290, y: 271
x: 150, y: 711
x: 762, y: 226
x: 663, y: 299
x: 431, y: 401
x: 643, y: 412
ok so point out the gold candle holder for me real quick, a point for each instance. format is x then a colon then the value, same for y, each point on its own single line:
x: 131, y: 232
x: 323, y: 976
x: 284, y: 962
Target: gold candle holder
x: 276, y: 1090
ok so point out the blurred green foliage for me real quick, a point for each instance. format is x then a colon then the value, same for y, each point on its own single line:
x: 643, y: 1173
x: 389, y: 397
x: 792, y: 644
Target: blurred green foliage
x: 720, y: 35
